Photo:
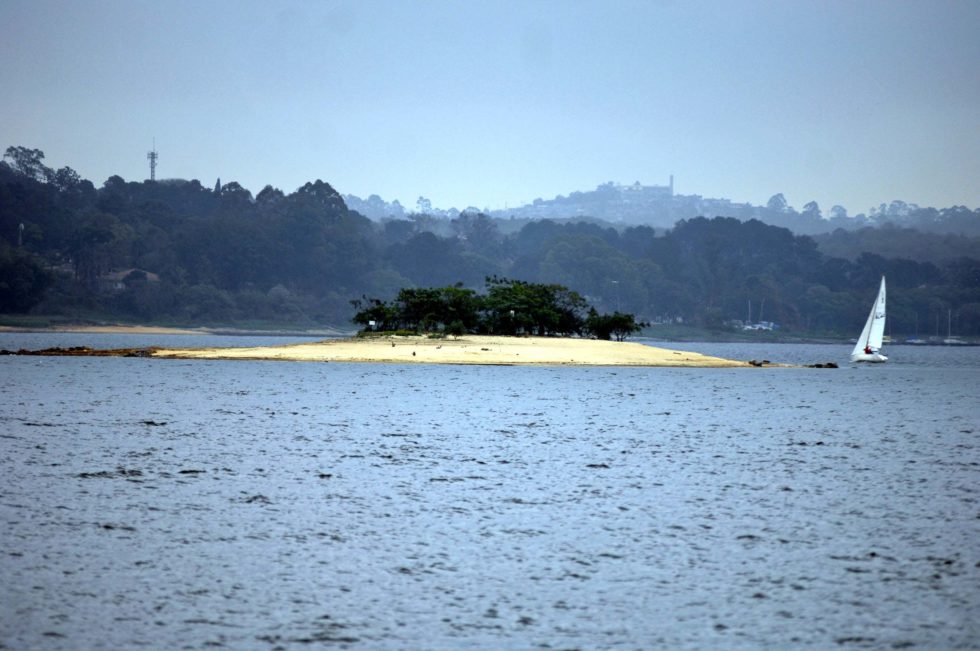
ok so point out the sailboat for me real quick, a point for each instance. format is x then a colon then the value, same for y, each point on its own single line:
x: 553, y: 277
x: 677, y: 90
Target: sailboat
x: 868, y: 346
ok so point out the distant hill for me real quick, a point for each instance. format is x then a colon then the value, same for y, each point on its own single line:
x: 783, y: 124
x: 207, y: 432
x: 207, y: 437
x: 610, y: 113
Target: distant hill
x: 660, y: 207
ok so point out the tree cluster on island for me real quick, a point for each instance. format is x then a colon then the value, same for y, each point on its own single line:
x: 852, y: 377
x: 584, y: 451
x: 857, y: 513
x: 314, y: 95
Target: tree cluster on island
x: 178, y: 252
x: 509, y: 307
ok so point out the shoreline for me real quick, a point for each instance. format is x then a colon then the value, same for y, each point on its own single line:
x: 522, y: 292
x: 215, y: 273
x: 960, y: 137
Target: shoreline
x: 329, y: 332
x: 164, y: 330
x: 469, y: 349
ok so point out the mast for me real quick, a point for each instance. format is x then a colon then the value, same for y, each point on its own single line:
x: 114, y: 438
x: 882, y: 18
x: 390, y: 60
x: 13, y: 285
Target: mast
x: 874, y: 316
x: 152, y: 157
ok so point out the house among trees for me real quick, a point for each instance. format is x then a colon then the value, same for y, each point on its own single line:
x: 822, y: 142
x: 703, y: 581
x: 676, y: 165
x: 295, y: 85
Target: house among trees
x: 117, y: 281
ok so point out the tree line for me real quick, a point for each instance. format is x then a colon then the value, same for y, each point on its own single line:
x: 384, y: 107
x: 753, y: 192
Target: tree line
x: 180, y: 252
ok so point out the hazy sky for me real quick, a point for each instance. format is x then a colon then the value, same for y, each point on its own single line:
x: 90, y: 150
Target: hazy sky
x: 497, y: 103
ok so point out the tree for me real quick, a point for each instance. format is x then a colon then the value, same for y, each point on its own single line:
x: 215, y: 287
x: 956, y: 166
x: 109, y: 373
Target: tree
x: 812, y: 210
x: 66, y: 179
x: 420, y: 309
x: 515, y: 306
x: 269, y: 195
x: 98, y: 244
x: 477, y: 230
x: 606, y: 326
x: 28, y: 162
x: 777, y: 203
x: 234, y: 195
x: 23, y: 280
x: 838, y: 212
x: 456, y: 329
x: 460, y: 306
x: 427, y: 259
x: 376, y: 315
x: 321, y: 198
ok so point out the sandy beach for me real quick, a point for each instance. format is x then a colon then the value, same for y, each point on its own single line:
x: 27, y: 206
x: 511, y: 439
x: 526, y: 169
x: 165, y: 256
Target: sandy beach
x: 470, y: 349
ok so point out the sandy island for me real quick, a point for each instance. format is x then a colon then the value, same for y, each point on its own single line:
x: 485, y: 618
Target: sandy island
x: 470, y: 349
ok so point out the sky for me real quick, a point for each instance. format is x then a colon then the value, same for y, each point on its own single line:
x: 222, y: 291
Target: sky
x: 493, y: 104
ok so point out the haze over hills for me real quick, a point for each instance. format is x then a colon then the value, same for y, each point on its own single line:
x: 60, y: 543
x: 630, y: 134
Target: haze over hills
x: 181, y: 252
x: 660, y: 206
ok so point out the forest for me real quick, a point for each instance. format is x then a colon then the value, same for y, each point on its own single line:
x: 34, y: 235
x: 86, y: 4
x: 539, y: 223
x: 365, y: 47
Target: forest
x: 178, y: 252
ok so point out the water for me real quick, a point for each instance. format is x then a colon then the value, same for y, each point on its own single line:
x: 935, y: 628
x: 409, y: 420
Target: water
x: 97, y: 340
x: 271, y: 505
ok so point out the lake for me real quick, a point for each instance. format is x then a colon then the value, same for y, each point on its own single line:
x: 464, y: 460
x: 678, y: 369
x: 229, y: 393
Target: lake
x: 279, y: 505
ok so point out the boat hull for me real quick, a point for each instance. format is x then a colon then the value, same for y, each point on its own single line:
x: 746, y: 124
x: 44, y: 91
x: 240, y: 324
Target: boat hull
x: 873, y: 358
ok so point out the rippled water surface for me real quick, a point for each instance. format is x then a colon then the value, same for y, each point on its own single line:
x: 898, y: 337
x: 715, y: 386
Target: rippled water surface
x: 263, y: 505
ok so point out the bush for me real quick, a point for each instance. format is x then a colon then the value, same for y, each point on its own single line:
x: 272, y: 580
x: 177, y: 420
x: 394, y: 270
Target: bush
x: 456, y: 329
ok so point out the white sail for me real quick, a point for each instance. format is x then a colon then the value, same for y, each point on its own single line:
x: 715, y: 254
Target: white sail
x: 873, y: 333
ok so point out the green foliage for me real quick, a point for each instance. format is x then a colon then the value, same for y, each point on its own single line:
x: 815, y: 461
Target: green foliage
x: 27, y: 162
x: 456, y: 329
x: 377, y: 316
x: 516, y: 307
x: 902, y: 243
x: 607, y: 326
x: 23, y: 280
x: 510, y: 307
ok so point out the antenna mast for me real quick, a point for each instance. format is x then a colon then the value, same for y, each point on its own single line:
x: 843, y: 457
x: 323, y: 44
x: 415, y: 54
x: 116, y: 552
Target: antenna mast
x: 152, y: 157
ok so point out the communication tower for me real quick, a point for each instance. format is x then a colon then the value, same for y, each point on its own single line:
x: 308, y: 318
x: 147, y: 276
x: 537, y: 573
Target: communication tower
x: 152, y: 157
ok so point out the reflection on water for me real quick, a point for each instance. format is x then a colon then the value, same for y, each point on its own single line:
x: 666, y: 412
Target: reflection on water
x: 192, y: 504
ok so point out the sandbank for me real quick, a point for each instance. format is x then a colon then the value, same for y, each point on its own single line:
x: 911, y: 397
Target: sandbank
x: 469, y: 349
